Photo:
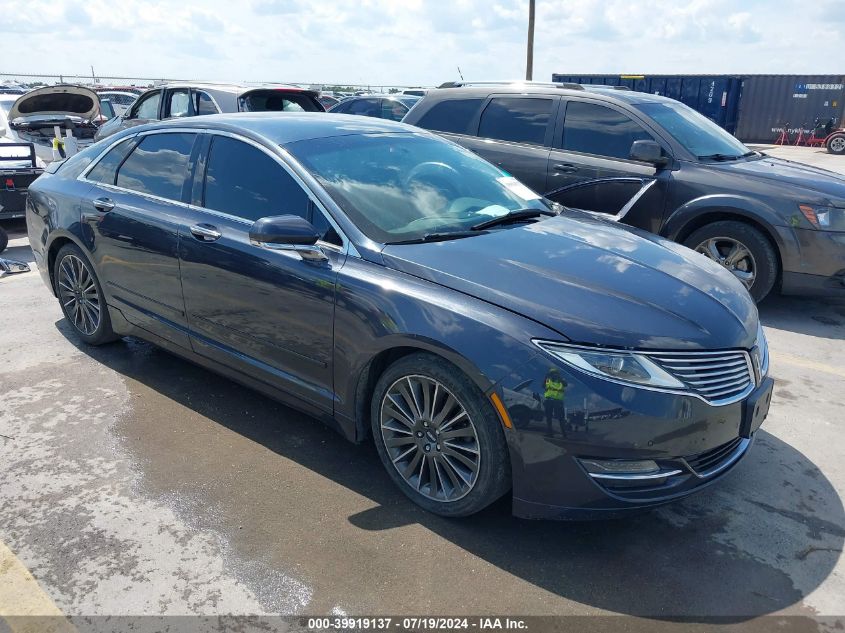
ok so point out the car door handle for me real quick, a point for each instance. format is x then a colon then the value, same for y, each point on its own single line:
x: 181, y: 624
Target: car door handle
x: 103, y: 204
x: 205, y: 232
x: 565, y: 168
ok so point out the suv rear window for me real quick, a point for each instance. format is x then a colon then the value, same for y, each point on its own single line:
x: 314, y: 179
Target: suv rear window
x: 518, y: 119
x: 454, y: 115
x: 278, y: 101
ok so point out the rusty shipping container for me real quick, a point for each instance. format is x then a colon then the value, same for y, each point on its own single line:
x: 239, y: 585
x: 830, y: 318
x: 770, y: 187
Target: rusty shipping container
x: 753, y: 107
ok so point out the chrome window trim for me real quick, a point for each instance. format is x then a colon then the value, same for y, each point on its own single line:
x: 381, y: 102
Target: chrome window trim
x: 346, y: 247
x: 668, y: 390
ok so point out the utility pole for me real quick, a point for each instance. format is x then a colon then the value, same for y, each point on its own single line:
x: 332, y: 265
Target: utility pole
x: 529, y: 60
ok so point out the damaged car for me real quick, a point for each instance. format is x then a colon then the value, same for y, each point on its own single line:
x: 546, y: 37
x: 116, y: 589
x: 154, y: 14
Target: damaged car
x: 35, y: 116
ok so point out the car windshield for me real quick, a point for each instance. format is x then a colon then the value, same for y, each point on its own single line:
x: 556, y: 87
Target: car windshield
x: 698, y: 134
x: 398, y: 187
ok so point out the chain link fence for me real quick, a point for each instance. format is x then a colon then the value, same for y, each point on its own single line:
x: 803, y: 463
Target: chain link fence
x: 30, y: 80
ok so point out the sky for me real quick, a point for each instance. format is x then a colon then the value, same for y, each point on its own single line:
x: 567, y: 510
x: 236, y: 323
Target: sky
x: 417, y: 42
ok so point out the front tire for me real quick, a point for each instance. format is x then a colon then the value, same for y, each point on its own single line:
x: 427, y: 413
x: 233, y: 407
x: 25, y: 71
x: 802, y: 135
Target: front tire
x: 439, y: 438
x: 836, y: 144
x: 741, y: 249
x: 81, y: 296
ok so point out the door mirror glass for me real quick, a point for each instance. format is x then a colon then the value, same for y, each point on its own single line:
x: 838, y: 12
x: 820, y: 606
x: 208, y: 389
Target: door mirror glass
x: 647, y: 152
x: 284, y: 229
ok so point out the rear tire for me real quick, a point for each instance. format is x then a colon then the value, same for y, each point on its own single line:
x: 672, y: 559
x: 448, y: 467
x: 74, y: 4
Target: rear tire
x: 725, y: 240
x: 81, y: 296
x: 836, y: 144
x: 4, y: 239
x: 430, y: 421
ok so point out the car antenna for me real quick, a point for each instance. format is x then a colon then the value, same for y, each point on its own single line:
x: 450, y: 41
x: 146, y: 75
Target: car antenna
x: 460, y: 73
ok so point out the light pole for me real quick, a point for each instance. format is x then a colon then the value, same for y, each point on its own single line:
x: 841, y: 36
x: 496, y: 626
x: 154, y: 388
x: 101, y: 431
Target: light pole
x: 529, y: 58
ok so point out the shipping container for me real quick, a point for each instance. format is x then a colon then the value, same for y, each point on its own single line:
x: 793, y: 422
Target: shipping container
x: 771, y: 103
x: 753, y: 107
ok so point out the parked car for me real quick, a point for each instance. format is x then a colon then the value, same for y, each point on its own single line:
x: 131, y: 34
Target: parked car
x: 186, y: 100
x: 19, y: 167
x: 33, y: 117
x: 656, y: 164
x: 120, y: 100
x: 328, y: 101
x: 835, y: 142
x: 415, y: 92
x: 357, y: 272
x: 392, y: 107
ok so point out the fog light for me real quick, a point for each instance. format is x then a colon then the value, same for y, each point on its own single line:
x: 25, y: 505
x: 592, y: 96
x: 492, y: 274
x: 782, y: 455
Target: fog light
x: 618, y: 467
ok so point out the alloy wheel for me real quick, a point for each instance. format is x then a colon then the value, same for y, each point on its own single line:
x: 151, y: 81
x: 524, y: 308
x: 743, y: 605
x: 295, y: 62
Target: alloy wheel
x: 430, y: 438
x: 837, y: 144
x: 78, y: 294
x: 733, y: 255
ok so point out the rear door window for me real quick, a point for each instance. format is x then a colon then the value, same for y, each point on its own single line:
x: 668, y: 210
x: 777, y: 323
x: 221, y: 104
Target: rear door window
x: 454, y: 115
x: 242, y: 180
x: 517, y: 119
x: 158, y: 165
x: 203, y: 104
x: 596, y: 129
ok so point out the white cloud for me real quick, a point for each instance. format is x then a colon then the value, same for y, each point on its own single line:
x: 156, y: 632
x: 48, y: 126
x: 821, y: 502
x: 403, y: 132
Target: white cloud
x: 415, y: 42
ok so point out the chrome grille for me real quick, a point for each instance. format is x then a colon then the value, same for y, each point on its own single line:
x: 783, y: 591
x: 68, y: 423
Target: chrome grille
x: 716, y: 376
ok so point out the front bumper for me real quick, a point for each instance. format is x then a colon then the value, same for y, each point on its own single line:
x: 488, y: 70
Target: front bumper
x: 692, y: 442
x: 817, y: 265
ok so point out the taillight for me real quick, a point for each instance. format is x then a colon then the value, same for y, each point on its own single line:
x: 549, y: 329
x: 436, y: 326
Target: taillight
x: 10, y: 184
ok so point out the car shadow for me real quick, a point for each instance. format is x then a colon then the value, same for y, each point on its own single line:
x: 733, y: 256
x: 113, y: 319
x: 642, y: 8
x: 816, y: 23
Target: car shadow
x: 755, y: 543
x: 813, y: 316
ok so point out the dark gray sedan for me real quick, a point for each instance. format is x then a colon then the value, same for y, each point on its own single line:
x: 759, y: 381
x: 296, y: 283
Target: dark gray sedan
x: 405, y: 291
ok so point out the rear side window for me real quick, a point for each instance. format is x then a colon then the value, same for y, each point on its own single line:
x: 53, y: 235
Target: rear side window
x: 244, y: 181
x: 106, y: 170
x: 365, y: 107
x: 518, y: 119
x: 454, y: 115
x: 278, y: 101
x: 596, y: 129
x: 158, y: 165
x: 203, y: 104
x: 393, y: 110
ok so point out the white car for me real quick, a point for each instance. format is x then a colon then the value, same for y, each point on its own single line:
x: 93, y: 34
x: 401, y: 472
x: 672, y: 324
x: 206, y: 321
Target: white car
x: 32, y: 117
x: 119, y: 99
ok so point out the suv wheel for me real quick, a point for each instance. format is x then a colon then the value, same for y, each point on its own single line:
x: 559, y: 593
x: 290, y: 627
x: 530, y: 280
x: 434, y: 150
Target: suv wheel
x: 741, y: 249
x: 836, y: 144
x: 439, y: 437
x: 81, y: 296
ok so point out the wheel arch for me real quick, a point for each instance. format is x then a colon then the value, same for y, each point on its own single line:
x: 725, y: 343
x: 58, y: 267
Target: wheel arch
x: 381, y: 360
x: 57, y: 241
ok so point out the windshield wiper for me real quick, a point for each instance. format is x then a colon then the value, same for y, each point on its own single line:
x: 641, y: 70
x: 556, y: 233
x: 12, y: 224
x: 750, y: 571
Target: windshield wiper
x: 719, y: 157
x: 438, y: 237
x: 511, y: 216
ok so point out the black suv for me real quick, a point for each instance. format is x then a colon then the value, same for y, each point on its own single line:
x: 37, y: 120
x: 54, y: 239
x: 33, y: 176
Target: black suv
x: 656, y: 164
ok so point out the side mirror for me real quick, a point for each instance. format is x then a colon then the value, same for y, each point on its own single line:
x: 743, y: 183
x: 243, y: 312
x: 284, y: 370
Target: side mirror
x: 648, y: 152
x: 288, y: 233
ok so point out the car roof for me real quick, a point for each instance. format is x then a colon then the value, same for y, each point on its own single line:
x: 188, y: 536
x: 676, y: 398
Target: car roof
x: 231, y: 88
x: 282, y: 128
x: 484, y: 90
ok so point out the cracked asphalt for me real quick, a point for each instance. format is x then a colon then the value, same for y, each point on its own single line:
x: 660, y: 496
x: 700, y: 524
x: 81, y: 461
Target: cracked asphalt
x: 132, y: 482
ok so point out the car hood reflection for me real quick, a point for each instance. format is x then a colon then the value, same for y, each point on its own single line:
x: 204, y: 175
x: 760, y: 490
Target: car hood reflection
x: 593, y: 282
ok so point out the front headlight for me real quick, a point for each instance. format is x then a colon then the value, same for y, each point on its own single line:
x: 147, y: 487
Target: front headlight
x: 625, y: 367
x: 827, y: 218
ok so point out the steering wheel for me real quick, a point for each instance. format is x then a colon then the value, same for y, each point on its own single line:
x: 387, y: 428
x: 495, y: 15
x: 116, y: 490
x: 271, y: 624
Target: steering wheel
x: 439, y: 175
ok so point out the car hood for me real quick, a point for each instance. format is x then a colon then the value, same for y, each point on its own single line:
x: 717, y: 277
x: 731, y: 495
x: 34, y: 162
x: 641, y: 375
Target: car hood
x: 780, y: 171
x: 62, y: 100
x: 594, y: 282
